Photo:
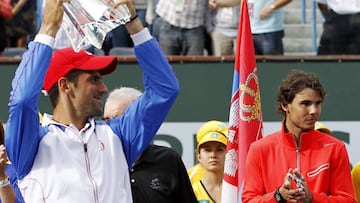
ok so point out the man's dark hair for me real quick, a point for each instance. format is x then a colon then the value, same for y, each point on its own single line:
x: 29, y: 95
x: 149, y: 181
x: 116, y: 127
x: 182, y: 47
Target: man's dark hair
x: 295, y: 82
x: 54, y: 91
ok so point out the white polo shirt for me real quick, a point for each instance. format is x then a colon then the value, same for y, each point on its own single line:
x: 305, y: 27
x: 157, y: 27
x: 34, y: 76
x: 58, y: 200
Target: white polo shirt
x: 342, y: 6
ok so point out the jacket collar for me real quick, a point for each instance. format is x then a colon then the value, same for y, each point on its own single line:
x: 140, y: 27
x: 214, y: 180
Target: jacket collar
x: 288, y: 139
x: 47, y: 120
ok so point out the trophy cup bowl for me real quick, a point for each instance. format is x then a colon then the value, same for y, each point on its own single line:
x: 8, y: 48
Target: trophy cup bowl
x: 86, y: 22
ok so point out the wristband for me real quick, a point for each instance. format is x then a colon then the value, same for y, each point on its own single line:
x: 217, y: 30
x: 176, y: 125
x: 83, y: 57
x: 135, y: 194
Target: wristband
x: 278, y: 197
x: 5, y: 182
x: 132, y: 19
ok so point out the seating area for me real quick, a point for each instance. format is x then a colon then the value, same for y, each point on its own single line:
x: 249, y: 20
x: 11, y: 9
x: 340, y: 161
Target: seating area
x: 303, y: 25
x: 122, y: 51
x: 16, y: 52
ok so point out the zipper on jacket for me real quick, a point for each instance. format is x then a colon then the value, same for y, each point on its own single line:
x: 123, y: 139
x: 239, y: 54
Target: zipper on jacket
x: 298, y: 151
x: 96, y: 198
x: 85, y: 147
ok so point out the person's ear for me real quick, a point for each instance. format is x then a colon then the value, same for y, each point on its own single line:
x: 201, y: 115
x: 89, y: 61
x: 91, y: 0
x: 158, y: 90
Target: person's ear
x: 198, y: 155
x: 284, y: 107
x: 64, y: 85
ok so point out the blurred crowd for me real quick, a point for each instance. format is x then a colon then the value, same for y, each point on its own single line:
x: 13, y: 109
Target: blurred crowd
x: 200, y: 27
x: 17, y: 29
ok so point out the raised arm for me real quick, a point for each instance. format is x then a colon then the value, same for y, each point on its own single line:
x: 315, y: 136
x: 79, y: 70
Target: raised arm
x: 23, y: 129
x: 143, y: 118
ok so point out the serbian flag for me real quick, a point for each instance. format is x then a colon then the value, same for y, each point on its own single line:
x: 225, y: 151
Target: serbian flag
x: 245, y: 119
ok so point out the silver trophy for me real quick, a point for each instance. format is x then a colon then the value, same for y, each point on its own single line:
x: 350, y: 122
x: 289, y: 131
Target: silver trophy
x: 86, y: 22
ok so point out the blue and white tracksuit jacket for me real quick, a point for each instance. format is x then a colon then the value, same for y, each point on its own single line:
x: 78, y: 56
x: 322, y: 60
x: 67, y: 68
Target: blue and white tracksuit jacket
x: 59, y: 163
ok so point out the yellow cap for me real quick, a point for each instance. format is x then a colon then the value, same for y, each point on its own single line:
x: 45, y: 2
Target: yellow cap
x: 212, y: 131
x: 321, y: 127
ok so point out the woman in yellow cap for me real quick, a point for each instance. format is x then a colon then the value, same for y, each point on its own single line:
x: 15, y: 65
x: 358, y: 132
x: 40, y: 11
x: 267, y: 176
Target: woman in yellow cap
x: 355, y: 175
x: 211, y: 147
x: 322, y: 128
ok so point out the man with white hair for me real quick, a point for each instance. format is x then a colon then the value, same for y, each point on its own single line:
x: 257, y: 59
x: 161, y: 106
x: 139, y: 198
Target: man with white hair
x: 159, y: 174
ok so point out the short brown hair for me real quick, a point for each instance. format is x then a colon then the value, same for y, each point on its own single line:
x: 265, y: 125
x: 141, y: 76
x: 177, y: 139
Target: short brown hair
x: 295, y: 82
x: 54, y: 91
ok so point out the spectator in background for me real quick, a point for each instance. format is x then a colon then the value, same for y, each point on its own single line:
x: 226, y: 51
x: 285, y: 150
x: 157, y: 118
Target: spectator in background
x: 7, y: 194
x: 2, y: 35
x: 322, y: 128
x: 267, y: 25
x: 159, y: 174
x: 182, y: 26
x: 120, y: 37
x: 196, y: 172
x: 355, y: 175
x: 341, y: 28
x: 6, y: 6
x: 151, y: 18
x: 211, y: 148
x: 225, y: 25
x: 298, y: 163
x: 21, y: 27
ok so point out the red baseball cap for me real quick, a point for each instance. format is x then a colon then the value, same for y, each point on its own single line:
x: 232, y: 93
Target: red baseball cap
x: 65, y: 60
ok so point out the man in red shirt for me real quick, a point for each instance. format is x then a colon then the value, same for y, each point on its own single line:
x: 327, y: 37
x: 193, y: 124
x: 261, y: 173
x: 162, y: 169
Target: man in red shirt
x: 298, y: 163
